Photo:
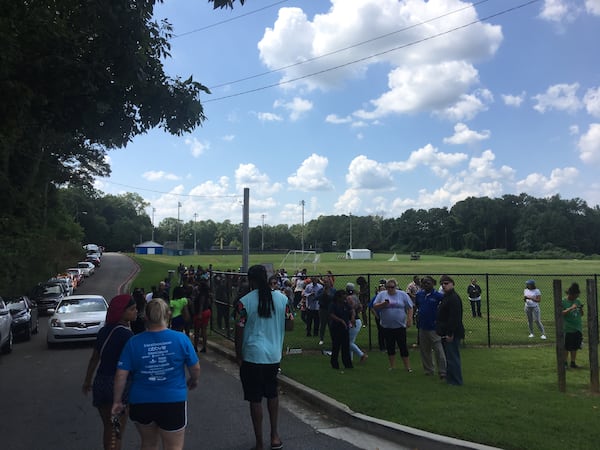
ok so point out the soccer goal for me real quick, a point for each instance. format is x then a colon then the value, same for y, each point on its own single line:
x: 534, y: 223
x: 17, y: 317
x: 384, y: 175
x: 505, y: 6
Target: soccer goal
x: 300, y: 257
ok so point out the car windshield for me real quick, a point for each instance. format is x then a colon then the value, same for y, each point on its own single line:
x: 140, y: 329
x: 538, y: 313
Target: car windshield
x: 81, y: 305
x: 52, y: 290
x: 16, y: 305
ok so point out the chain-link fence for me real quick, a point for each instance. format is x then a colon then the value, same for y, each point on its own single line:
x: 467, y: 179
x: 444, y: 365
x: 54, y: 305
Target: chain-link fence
x: 503, y: 319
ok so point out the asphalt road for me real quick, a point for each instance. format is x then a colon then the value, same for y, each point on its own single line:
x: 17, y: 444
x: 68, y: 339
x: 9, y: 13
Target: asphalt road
x: 42, y: 406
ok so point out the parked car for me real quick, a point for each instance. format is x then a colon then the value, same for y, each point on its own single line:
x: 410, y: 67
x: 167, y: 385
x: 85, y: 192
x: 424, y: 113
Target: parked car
x: 77, y: 318
x: 47, y: 295
x: 77, y: 274
x: 95, y: 260
x: 6, y: 335
x: 24, y: 316
x: 66, y: 280
x: 87, y: 267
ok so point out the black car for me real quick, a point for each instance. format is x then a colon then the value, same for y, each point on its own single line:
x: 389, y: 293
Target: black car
x: 47, y: 295
x: 24, y: 314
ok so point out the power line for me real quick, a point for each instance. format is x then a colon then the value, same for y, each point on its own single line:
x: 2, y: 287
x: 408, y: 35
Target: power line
x: 176, y: 195
x: 197, y: 30
x: 410, y: 44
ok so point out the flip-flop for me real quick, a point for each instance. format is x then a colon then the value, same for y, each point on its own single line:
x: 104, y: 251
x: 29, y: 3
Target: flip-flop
x: 277, y: 446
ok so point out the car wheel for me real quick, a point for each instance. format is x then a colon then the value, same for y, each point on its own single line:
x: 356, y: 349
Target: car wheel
x: 8, y: 346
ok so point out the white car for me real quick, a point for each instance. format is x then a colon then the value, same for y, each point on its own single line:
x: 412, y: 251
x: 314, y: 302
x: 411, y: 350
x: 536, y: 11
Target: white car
x: 87, y: 267
x: 77, y: 318
x: 6, y: 335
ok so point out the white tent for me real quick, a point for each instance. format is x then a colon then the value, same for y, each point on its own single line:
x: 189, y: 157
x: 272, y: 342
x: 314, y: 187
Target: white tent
x: 358, y: 253
x: 393, y: 258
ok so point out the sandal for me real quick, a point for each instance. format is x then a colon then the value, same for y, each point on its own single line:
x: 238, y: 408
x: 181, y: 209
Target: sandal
x: 277, y: 446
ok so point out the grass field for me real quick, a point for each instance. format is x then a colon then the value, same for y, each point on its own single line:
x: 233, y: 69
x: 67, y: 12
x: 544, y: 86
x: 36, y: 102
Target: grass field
x: 510, y: 398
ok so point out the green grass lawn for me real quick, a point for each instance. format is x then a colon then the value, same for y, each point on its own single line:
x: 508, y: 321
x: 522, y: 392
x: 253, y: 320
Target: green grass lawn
x: 510, y: 398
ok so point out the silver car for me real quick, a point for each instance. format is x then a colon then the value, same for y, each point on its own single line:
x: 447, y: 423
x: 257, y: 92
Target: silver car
x: 76, y: 318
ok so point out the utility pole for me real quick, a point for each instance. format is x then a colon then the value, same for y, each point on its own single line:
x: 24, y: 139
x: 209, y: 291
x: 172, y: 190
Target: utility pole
x: 302, y: 229
x: 246, y: 231
x: 195, y: 215
x: 262, y: 237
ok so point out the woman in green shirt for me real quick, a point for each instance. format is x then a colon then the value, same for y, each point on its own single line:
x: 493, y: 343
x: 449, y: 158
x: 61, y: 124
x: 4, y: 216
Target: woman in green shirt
x: 177, y: 304
x: 572, y: 313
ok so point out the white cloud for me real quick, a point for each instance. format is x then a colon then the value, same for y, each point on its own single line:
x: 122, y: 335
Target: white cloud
x: 557, y: 11
x: 560, y: 97
x: 589, y: 145
x: 380, y: 32
x: 423, y: 88
x: 334, y: 119
x: 229, y: 137
x: 349, y: 201
x: 468, y: 106
x: 269, y: 117
x: 157, y: 175
x: 429, y: 156
x: 364, y: 173
x: 591, y: 100
x: 593, y: 7
x: 297, y: 107
x: 514, y: 100
x: 197, y: 147
x: 463, y: 135
x: 538, y: 184
x: 248, y: 175
x: 310, y: 176
x: 574, y: 129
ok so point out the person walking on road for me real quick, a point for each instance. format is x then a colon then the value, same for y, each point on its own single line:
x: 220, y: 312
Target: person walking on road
x: 156, y: 360
x: 259, y: 333
x: 109, y: 343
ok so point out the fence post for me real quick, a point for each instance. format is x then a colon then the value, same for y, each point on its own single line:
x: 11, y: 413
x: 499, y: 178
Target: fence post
x: 592, y: 323
x: 487, y: 307
x: 560, y: 336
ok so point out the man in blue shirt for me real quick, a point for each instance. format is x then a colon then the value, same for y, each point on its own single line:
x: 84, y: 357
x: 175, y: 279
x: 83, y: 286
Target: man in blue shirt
x: 427, y: 301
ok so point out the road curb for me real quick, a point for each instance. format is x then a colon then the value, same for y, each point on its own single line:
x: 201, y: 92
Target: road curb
x: 399, y: 434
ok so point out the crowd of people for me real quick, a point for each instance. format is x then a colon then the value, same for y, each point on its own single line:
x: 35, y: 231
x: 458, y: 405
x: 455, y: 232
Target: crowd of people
x: 138, y: 366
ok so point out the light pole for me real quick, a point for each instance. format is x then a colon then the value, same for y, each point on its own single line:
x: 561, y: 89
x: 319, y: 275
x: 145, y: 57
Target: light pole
x: 178, y: 208
x: 302, y: 229
x: 262, y: 236
x: 350, y: 215
x: 153, y: 211
x: 195, y: 215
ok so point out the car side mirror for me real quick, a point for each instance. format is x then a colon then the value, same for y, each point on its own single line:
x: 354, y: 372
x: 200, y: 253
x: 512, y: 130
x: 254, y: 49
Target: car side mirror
x: 51, y: 310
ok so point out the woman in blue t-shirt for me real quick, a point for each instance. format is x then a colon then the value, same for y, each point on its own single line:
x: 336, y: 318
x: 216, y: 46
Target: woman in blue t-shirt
x: 156, y: 360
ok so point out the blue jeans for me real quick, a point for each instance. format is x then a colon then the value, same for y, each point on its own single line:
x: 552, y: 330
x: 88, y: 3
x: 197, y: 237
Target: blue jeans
x: 353, y: 332
x: 453, y: 367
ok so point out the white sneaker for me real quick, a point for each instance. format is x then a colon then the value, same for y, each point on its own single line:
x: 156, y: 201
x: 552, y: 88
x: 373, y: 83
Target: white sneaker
x: 321, y: 342
x: 530, y: 335
x: 543, y: 336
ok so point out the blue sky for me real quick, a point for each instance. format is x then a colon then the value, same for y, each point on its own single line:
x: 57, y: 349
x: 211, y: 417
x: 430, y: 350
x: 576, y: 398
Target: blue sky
x: 373, y: 107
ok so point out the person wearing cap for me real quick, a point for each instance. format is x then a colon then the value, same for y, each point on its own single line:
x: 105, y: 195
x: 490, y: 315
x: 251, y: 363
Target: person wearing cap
x: 572, y: 313
x: 449, y: 325
x: 532, y: 297
x: 259, y: 333
x: 395, y: 309
x: 155, y: 361
x: 109, y: 343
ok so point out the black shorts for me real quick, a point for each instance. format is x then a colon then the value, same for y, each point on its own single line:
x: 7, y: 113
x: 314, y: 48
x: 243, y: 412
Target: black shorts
x: 259, y: 380
x: 573, y: 341
x: 167, y: 416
